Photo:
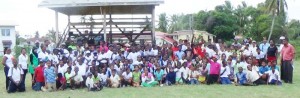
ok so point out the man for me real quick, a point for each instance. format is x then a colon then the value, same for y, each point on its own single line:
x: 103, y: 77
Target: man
x: 43, y: 55
x: 264, y: 46
x: 287, y: 57
x: 15, y: 75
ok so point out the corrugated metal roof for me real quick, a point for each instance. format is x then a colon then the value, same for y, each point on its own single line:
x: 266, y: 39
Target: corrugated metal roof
x: 80, y: 3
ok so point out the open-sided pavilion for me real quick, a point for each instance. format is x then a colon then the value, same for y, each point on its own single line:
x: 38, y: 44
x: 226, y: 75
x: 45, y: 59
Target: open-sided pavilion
x: 108, y: 18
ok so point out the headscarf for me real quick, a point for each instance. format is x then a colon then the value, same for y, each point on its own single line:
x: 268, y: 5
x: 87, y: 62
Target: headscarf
x: 34, y: 52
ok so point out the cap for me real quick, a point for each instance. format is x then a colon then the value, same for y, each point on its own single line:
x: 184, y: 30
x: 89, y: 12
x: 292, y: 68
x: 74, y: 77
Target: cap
x: 215, y: 56
x: 282, y: 37
x: 254, y: 41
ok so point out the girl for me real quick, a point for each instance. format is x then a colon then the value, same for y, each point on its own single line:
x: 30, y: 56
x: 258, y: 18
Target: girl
x: 136, y: 75
x: 148, y: 79
x: 34, y: 61
x: 23, y: 58
x: 7, y: 62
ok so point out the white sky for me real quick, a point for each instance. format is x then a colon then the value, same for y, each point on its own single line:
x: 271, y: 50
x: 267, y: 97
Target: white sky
x: 31, y: 18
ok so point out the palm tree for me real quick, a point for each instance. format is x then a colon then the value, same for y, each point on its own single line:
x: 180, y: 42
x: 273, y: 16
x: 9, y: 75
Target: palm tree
x: 276, y: 8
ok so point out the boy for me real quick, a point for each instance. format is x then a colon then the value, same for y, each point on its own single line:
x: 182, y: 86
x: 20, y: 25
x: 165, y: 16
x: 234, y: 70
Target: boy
x: 241, y: 77
x: 126, y: 78
x: 38, y: 77
x: 273, y: 76
x: 253, y: 76
x: 15, y: 75
x: 103, y: 77
x: 225, y: 72
x: 50, y: 75
x: 76, y: 79
x: 68, y: 76
x: 194, y: 75
x: 114, y: 80
x: 60, y: 82
x: 92, y: 83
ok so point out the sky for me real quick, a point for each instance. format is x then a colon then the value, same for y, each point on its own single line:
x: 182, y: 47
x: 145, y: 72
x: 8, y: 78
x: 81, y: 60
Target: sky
x: 31, y: 18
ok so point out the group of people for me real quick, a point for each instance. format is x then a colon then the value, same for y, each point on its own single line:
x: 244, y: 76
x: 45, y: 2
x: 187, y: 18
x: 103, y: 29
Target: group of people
x: 93, y: 67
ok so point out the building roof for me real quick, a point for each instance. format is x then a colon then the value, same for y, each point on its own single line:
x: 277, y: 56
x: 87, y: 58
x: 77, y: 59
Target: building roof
x: 7, y: 23
x: 190, y: 32
x: 89, y: 7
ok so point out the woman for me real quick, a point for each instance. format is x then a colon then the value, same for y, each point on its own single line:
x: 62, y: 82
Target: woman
x: 23, y: 58
x: 148, y: 79
x: 272, y: 52
x: 7, y: 63
x: 34, y: 61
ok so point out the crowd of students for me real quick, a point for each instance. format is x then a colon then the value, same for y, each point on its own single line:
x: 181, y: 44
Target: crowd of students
x: 116, y: 65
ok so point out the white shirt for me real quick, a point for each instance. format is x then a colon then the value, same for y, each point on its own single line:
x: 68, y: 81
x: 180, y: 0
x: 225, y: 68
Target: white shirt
x: 226, y: 73
x: 154, y: 52
x: 273, y: 76
x: 133, y: 56
x: 252, y: 75
x: 137, y: 62
x: 89, y: 82
x: 186, y: 72
x: 82, y: 69
x: 62, y: 69
x: 89, y: 59
x: 9, y: 62
x: 43, y: 55
x: 247, y: 52
x: 260, y: 56
x: 54, y: 58
x: 15, y: 73
x: 127, y: 76
x: 114, y: 79
x: 194, y: 74
x: 101, y: 56
x: 77, y: 78
x: 183, y: 47
x: 102, y: 76
x: 108, y: 54
x: 23, y: 61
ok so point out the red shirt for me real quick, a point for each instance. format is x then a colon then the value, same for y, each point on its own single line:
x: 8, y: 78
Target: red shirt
x: 288, y: 52
x: 200, y: 52
x: 174, y: 49
x: 39, y: 74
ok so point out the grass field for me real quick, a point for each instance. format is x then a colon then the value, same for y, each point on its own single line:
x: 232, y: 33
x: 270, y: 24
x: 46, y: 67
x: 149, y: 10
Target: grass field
x: 180, y: 91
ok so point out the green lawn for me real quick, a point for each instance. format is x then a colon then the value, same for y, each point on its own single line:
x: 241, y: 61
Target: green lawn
x: 181, y: 91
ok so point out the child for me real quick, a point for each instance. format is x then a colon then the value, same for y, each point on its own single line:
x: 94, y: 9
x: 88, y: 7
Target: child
x: 241, y: 77
x: 15, y: 75
x: 92, y: 82
x: 136, y: 77
x: 114, y: 80
x: 76, y: 79
x: 194, y: 75
x: 253, y: 76
x: 50, y: 75
x: 126, y: 78
x: 159, y: 75
x: 214, y: 71
x: 263, y: 69
x: 60, y: 82
x: 273, y: 76
x: 171, y: 77
x: 103, y: 77
x: 68, y: 76
x: 38, y: 77
x: 225, y: 72
x: 148, y: 79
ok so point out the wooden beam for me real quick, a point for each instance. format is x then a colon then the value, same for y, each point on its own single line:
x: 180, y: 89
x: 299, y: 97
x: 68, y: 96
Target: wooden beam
x: 77, y: 30
x: 141, y: 32
x: 111, y: 23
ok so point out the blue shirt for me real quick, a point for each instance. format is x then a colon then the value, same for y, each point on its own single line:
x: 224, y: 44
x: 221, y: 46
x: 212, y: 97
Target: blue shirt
x: 179, y: 54
x: 276, y: 68
x: 50, y: 75
x: 171, y: 77
x: 264, y: 47
x: 242, y: 77
x: 263, y: 69
x: 159, y: 74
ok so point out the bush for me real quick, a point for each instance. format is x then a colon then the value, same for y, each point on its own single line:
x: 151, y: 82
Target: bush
x: 17, y: 50
x: 296, y: 44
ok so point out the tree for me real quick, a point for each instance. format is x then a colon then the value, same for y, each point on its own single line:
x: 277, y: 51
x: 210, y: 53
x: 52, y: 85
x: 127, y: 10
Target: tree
x: 163, y: 22
x: 51, y: 35
x: 276, y: 8
x: 37, y: 35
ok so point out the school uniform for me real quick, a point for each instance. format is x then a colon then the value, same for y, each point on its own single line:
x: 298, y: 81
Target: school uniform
x: 15, y: 74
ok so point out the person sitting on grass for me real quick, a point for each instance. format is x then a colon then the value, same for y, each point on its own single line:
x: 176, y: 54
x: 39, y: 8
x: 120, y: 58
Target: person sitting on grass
x: 114, y: 79
x: 148, y: 79
x: 263, y: 69
x: 273, y: 77
x: 50, y: 75
x: 171, y: 77
x: 136, y: 77
x: 103, y: 77
x: 38, y: 77
x: 76, y: 79
x: 159, y: 75
x: 60, y: 82
x: 194, y: 75
x: 68, y: 77
x: 15, y: 75
x: 253, y: 77
x: 126, y: 78
x: 92, y: 83
x: 273, y: 63
x: 241, y: 77
x: 225, y: 72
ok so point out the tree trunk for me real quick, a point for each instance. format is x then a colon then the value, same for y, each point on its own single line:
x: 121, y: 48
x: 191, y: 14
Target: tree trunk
x: 272, y: 26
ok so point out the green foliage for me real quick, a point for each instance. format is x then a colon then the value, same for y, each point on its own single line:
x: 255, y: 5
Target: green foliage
x: 17, y: 50
x: 163, y: 22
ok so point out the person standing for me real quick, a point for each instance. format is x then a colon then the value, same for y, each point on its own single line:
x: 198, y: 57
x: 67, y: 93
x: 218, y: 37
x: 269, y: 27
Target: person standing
x: 272, y: 52
x: 7, y: 62
x: 15, y: 75
x: 34, y: 62
x: 23, y: 58
x: 287, y: 57
x: 264, y: 46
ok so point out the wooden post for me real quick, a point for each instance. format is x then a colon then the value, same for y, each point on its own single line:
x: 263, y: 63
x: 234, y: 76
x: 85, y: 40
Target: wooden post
x: 56, y: 27
x: 104, y: 24
x: 69, y: 26
x: 153, y: 26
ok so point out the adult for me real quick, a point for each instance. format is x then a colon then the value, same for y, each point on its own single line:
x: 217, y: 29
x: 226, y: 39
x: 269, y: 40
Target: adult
x: 15, y: 75
x: 43, y: 55
x: 23, y: 59
x: 287, y: 57
x: 34, y: 61
x: 264, y: 46
x: 272, y: 52
x: 7, y: 62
